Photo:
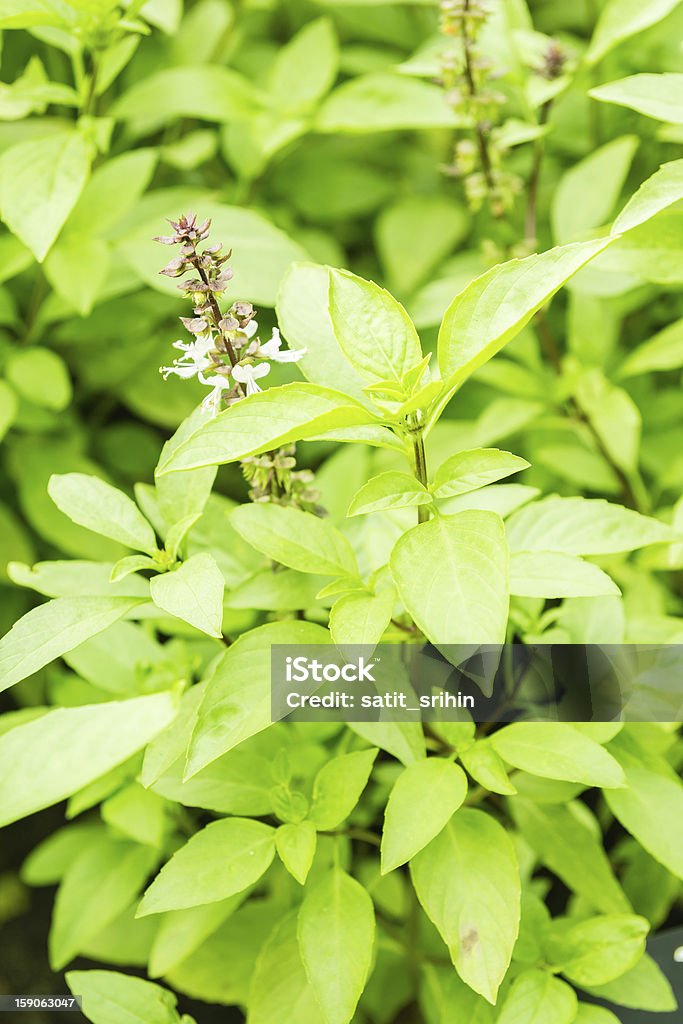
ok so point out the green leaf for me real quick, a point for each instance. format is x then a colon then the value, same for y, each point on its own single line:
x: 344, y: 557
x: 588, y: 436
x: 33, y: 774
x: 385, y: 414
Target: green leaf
x: 180, y: 932
x: 569, y: 848
x: 487, y: 768
x: 372, y: 328
x: 336, y: 930
x: 361, y: 618
x: 303, y: 315
x: 659, y: 192
x: 266, y: 420
x: 384, y: 102
x: 8, y: 408
x: 549, y: 574
x: 653, y: 794
x: 113, y: 998
x: 137, y: 813
x: 53, y: 629
x: 208, y: 92
x: 237, y: 700
x: 77, y: 267
x: 407, y: 828
x: 40, y: 376
x: 452, y: 574
x: 469, y: 470
x: 555, y: 750
x: 403, y: 740
x: 426, y: 226
x: 338, y: 787
x: 295, y: 538
x: 662, y: 352
x: 467, y: 881
x: 495, y: 307
x: 644, y: 987
x: 280, y: 992
x: 102, y: 881
x: 597, y: 950
x: 451, y: 999
x: 40, y: 181
x: 77, y: 745
x: 582, y: 526
x: 535, y: 997
x: 305, y: 69
x: 589, y: 1014
x: 389, y: 490
x: 658, y: 96
x: 620, y: 19
x: 112, y: 191
x: 193, y: 593
x: 104, y: 509
x: 614, y: 416
x: 587, y: 192
x: 295, y: 844
x: 222, y: 859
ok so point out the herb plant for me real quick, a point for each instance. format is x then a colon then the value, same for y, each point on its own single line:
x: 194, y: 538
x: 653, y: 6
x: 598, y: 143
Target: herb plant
x: 483, y: 447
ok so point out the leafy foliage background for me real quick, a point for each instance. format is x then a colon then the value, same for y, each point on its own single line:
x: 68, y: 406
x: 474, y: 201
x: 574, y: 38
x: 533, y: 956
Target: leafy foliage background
x: 321, y: 133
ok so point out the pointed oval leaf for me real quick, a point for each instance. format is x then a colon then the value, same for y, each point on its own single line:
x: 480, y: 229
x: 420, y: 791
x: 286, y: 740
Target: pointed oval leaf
x: 550, y: 574
x: 193, y: 593
x: 222, y: 859
x: 388, y: 490
x: 98, y: 506
x: 555, y: 750
x: 297, y: 539
x: 407, y: 828
x: 469, y: 470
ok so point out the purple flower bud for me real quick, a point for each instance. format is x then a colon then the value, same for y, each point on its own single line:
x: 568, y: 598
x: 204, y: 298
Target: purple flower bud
x: 175, y: 268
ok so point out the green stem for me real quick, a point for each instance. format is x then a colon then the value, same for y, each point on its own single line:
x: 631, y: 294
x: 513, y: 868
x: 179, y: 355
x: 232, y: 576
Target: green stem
x: 420, y: 458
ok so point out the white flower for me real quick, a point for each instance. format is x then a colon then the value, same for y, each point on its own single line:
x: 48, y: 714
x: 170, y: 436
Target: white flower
x: 249, y: 329
x: 218, y: 384
x: 196, y: 357
x: 249, y: 375
x: 271, y: 350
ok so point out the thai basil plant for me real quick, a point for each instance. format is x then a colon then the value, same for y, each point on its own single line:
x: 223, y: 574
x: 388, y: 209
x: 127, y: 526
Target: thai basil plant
x: 486, y: 450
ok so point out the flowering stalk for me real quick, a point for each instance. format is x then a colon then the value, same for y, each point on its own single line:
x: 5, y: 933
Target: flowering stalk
x: 227, y: 355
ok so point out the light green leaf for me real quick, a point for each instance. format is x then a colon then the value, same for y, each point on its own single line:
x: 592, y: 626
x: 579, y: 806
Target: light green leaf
x: 338, y: 787
x: 572, y: 851
x: 660, y: 191
x: 614, y: 416
x: 469, y: 470
x: 181, y: 495
x: 208, y: 92
x: 662, y: 352
x: 193, y: 593
x: 372, y: 328
x: 384, y: 102
x: 587, y: 192
x: 597, y: 950
x: 40, y: 376
x: 53, y: 629
x: 426, y: 226
x: 102, y: 881
x: 137, y: 813
x: 389, y: 490
x: 451, y: 999
x: 653, y: 794
x: 336, y: 930
x: 104, y: 509
x: 222, y: 859
x: 77, y: 267
x: 452, y: 575
x: 111, y: 192
x: 8, y: 408
x: 491, y: 310
x: 303, y: 315
x: 40, y: 181
x: 77, y: 745
x: 555, y: 750
x: 113, y: 998
x: 130, y: 564
x: 620, y: 19
x: 535, y: 997
x: 295, y: 538
x: 361, y: 618
x: 237, y: 700
x: 658, y: 96
x: 582, y: 526
x: 266, y: 420
x: 295, y: 844
x: 305, y: 69
x: 549, y: 574
x: 644, y: 987
x: 589, y: 1014
x: 182, y: 931
x: 403, y: 740
x: 407, y: 828
x: 487, y: 768
x: 467, y: 881
x: 280, y: 992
